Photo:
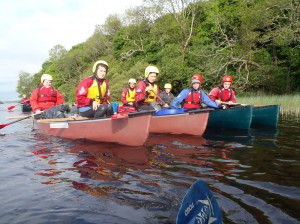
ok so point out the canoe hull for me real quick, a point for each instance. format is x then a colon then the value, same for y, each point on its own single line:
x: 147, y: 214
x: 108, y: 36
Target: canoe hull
x: 238, y: 117
x: 131, y: 131
x: 265, y: 115
x: 185, y: 123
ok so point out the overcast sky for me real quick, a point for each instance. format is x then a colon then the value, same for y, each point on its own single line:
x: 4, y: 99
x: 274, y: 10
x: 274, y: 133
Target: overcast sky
x: 30, y: 28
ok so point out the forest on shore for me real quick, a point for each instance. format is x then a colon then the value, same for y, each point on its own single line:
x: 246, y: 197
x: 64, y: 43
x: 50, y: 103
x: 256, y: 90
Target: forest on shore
x: 257, y: 42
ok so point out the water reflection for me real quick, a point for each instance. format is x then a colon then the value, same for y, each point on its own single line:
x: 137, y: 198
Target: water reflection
x: 239, y: 166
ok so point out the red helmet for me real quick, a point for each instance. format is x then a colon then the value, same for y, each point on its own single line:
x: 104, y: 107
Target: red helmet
x: 227, y: 78
x: 198, y: 77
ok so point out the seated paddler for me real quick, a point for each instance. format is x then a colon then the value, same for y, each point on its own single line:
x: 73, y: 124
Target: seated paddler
x: 147, y: 91
x: 93, y: 93
x: 194, y: 97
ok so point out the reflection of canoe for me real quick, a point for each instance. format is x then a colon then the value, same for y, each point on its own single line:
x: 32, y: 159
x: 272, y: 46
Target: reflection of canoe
x: 265, y: 115
x: 133, y: 130
x: 26, y: 108
x: 192, y: 122
x: 234, y: 117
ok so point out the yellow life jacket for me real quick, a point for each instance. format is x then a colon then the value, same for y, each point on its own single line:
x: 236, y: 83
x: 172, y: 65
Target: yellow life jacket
x: 130, y: 95
x: 93, y: 91
x: 152, y: 97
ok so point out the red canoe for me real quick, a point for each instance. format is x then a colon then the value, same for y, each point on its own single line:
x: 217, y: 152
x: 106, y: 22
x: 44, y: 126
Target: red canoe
x: 192, y: 122
x: 132, y: 130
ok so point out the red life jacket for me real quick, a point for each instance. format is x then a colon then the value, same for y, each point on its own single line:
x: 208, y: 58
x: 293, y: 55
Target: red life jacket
x: 193, y: 100
x: 46, y: 95
x: 224, y: 95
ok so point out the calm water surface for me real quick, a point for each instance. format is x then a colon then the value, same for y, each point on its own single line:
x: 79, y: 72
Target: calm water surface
x: 253, y: 174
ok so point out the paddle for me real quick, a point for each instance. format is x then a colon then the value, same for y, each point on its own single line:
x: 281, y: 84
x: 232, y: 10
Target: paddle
x: 199, y: 206
x: 12, y: 107
x: 4, y: 125
x: 158, y: 97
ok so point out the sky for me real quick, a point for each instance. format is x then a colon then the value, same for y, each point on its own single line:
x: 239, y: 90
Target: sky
x: 29, y: 29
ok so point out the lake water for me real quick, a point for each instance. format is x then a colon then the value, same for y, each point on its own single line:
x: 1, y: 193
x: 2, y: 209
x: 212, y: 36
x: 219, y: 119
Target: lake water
x: 254, y: 175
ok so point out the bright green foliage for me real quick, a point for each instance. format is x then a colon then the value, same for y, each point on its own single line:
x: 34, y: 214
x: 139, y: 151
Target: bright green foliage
x: 257, y: 42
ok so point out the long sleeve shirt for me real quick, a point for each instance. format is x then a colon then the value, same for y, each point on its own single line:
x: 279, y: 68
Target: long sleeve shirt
x: 204, y: 99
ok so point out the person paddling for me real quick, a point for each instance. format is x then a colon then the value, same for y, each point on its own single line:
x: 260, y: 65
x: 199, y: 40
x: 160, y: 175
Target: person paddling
x: 45, y: 96
x: 223, y: 93
x: 93, y: 93
x: 128, y: 94
x: 147, y: 91
x: 192, y: 98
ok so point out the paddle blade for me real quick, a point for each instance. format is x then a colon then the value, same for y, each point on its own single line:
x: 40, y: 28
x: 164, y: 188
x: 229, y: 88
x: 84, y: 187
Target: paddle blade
x: 119, y: 116
x: 199, y: 206
x: 11, y: 107
x: 3, y: 125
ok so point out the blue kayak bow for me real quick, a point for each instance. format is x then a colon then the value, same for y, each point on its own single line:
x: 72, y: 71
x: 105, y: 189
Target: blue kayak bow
x: 199, y: 206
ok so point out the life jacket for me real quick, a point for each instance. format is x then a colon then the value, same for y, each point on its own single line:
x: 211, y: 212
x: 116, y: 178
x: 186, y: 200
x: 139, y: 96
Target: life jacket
x: 46, y: 95
x: 151, y: 97
x: 193, y: 100
x: 130, y: 95
x: 96, y: 91
x: 224, y: 95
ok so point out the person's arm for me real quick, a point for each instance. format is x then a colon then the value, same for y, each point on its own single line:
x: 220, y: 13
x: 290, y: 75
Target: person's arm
x: 123, y: 96
x: 81, y: 93
x: 140, y: 93
x: 213, y: 94
x: 178, y: 100
x: 207, y: 101
x: 59, y: 98
x: 34, y: 101
x: 233, y: 98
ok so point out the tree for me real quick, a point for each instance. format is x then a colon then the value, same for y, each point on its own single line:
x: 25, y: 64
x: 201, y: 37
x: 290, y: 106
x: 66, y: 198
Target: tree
x: 25, y: 84
x: 57, y: 52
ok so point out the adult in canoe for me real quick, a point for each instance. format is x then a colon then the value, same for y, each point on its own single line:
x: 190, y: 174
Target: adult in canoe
x: 147, y: 91
x: 166, y: 95
x: 194, y: 97
x: 127, y: 97
x: 45, y: 96
x: 93, y: 93
x: 224, y: 92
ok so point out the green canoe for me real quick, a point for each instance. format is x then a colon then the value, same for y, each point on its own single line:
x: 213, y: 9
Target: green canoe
x: 265, y: 115
x: 238, y: 117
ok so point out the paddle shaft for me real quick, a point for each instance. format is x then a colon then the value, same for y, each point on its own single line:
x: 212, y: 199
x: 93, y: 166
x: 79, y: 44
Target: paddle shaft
x: 158, y: 97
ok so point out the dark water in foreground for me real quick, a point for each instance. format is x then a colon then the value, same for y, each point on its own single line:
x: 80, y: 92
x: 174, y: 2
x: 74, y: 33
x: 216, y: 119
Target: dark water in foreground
x: 253, y: 174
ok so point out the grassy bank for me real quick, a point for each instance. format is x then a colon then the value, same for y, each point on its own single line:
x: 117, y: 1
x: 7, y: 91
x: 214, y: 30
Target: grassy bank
x: 289, y: 103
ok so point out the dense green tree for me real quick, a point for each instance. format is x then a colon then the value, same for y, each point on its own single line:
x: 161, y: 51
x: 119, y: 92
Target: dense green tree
x: 255, y: 41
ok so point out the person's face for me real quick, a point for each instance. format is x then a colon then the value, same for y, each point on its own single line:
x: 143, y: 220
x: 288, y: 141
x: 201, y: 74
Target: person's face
x: 152, y: 77
x: 196, y: 85
x: 168, y: 90
x: 47, y: 83
x: 101, y: 72
x: 226, y: 85
x: 131, y: 85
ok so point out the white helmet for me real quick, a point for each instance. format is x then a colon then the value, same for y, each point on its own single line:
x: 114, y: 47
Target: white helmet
x: 151, y: 69
x: 131, y: 81
x: 168, y: 86
x: 47, y: 77
x: 97, y: 63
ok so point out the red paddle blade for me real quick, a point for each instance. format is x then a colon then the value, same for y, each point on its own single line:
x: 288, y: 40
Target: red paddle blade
x: 119, y: 116
x: 3, y: 125
x: 11, y: 107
